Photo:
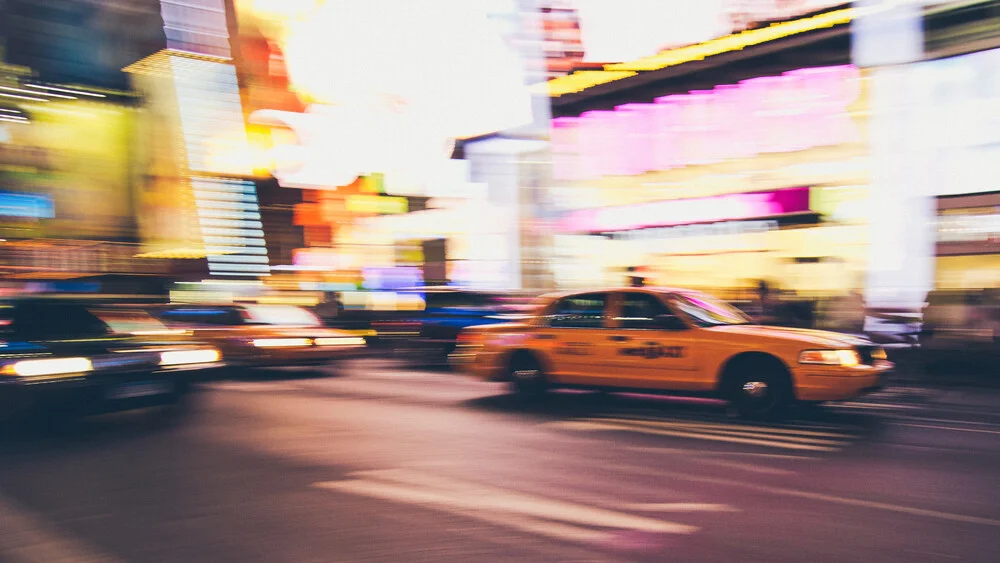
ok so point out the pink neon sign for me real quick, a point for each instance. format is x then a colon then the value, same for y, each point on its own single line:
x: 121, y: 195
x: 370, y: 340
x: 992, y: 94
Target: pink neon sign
x: 797, y: 110
x: 732, y: 207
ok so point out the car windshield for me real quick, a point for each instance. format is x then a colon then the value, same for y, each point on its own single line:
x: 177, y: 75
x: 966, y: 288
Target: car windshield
x: 130, y: 321
x: 281, y: 315
x: 707, y: 311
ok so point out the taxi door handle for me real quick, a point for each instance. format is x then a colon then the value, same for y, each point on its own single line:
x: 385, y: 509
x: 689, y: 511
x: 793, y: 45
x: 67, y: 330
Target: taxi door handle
x: 545, y: 336
x: 618, y: 338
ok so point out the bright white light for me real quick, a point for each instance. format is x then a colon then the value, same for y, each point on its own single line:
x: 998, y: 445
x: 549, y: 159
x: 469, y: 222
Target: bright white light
x: 631, y: 29
x: 341, y: 341
x: 281, y: 342
x: 53, y: 366
x: 381, y: 112
x: 23, y: 91
x: 187, y: 357
x: 54, y: 89
x: 16, y: 97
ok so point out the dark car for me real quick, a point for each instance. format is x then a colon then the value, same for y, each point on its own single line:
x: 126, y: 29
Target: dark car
x: 60, y: 357
x: 429, y: 336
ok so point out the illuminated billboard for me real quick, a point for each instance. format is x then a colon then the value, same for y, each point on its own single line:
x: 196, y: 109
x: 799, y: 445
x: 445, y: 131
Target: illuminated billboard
x: 797, y: 110
x: 730, y: 207
x: 630, y: 29
x: 389, y: 87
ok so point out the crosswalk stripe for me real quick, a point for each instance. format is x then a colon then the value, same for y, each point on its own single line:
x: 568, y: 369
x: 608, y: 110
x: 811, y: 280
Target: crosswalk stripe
x: 681, y: 507
x: 389, y: 491
x: 777, y: 434
x: 546, y: 516
x: 588, y: 425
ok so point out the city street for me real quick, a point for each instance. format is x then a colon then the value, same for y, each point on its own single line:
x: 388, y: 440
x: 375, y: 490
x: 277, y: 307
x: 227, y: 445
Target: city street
x: 376, y: 462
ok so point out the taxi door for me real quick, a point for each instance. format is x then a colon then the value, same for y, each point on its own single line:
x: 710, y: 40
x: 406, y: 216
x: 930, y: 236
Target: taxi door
x: 571, y: 338
x: 649, y: 345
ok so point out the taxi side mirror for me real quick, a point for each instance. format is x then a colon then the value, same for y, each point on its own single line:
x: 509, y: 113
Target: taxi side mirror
x: 669, y: 322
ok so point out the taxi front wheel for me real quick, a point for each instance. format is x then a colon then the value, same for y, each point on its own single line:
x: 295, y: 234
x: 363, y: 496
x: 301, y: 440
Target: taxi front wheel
x: 760, y: 394
x: 526, y: 377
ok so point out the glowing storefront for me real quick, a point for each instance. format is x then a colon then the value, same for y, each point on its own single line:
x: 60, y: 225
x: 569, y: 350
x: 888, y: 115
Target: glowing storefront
x: 717, y: 189
x: 386, y: 91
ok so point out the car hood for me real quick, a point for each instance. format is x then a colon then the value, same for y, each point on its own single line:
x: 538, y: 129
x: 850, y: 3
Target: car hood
x: 809, y: 337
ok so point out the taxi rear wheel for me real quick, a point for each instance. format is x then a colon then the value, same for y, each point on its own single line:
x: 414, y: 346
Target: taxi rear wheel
x: 526, y: 376
x: 760, y: 392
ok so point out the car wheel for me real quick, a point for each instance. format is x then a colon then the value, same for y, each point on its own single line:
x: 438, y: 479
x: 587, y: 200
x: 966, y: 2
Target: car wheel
x: 760, y: 392
x: 526, y: 377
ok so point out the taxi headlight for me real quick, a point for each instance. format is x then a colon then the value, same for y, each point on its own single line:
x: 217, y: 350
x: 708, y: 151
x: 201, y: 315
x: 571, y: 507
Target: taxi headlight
x: 846, y: 358
x: 49, y: 366
x: 187, y: 357
x: 340, y: 341
x: 281, y: 342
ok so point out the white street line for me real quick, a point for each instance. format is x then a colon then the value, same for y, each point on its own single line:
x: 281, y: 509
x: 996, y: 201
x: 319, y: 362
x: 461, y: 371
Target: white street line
x: 586, y: 425
x: 533, y: 505
x: 498, y: 504
x: 681, y: 507
x: 262, y: 387
x: 702, y: 453
x: 833, y: 499
x: 733, y: 427
x: 952, y: 428
x: 730, y: 430
x: 388, y: 491
x: 861, y: 406
x: 24, y: 538
x: 944, y: 420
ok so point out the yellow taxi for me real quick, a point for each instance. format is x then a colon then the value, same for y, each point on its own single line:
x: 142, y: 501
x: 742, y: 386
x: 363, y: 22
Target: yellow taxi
x: 670, y: 340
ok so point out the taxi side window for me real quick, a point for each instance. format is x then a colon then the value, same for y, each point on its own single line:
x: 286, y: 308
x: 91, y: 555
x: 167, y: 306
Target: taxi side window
x: 640, y: 310
x: 578, y: 311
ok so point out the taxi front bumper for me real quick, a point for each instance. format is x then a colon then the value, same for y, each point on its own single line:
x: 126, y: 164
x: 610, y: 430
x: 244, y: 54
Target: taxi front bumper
x: 829, y: 383
x: 473, y: 362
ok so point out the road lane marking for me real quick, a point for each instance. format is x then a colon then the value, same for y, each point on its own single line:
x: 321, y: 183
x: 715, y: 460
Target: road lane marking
x: 823, y: 497
x: 23, y: 537
x: 550, y: 517
x: 702, y: 453
x: 953, y: 428
x: 681, y: 507
x: 733, y: 427
x: 520, y: 502
x: 944, y: 420
x: 873, y: 406
x: 731, y: 430
x: 525, y: 523
x: 712, y: 437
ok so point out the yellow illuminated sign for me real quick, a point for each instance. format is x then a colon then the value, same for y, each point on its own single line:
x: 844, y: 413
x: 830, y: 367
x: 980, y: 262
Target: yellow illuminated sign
x: 377, y: 204
x: 581, y: 80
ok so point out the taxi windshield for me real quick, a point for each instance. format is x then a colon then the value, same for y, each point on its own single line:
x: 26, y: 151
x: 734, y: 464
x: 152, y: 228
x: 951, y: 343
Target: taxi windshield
x: 707, y: 311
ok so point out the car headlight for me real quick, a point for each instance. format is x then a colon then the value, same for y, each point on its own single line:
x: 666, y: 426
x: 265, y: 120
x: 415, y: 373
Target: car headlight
x: 281, y: 342
x: 340, y: 341
x: 879, y: 354
x: 48, y: 366
x: 187, y: 357
x: 846, y: 358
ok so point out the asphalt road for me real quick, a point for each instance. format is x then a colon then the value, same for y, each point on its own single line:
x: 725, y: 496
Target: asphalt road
x: 378, y: 463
